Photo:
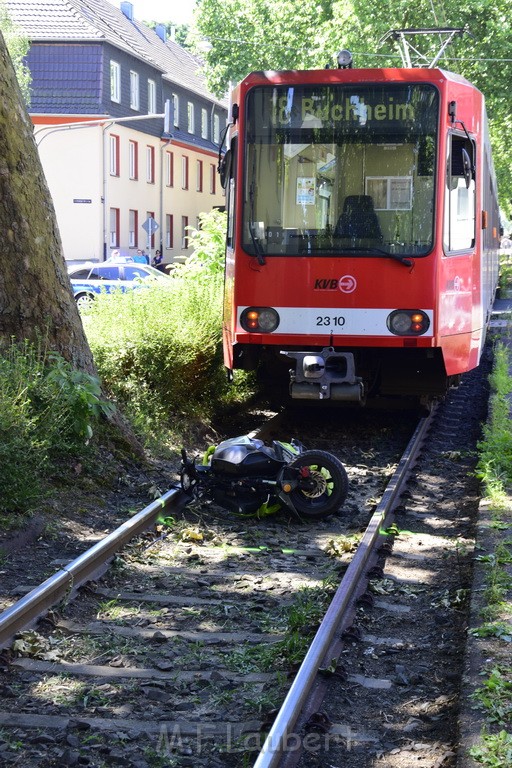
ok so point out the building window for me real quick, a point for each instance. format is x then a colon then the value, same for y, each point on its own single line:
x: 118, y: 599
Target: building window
x: 204, y: 124
x: 151, y: 97
x: 169, y: 169
x: 184, y: 172
x: 133, y: 228
x: 133, y: 157
x: 114, y: 155
x: 213, y: 179
x: 151, y: 240
x: 190, y: 117
x: 184, y: 232
x: 176, y: 110
x: 216, y: 129
x: 134, y: 90
x: 115, y: 82
x: 199, y: 171
x: 390, y: 193
x: 114, y: 228
x: 169, y: 231
x: 150, y: 165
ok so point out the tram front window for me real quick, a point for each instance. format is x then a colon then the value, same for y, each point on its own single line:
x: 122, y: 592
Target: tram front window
x: 339, y: 169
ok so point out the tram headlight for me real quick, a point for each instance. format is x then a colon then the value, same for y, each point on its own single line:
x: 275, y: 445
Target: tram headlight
x: 408, y: 322
x: 259, y: 319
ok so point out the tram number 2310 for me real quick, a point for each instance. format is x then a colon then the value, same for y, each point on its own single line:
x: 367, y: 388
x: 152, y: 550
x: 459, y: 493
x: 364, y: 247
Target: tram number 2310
x: 330, y: 320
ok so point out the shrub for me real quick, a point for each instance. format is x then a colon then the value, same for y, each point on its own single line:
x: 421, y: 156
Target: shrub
x: 47, y: 410
x: 158, y: 349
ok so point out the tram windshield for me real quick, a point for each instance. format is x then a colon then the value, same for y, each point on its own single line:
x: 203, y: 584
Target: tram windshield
x: 340, y: 170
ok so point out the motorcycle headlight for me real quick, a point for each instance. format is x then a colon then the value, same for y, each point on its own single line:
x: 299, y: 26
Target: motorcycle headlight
x: 259, y: 319
x: 408, y: 322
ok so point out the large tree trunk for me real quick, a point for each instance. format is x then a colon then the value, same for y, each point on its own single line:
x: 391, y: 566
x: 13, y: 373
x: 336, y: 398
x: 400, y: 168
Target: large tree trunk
x: 35, y: 293
x: 36, y: 300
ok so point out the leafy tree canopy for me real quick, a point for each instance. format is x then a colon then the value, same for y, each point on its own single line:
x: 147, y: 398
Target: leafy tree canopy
x: 17, y: 45
x: 248, y: 35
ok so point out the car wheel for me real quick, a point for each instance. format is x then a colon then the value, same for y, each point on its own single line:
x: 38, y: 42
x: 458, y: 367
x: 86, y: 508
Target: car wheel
x: 84, y: 300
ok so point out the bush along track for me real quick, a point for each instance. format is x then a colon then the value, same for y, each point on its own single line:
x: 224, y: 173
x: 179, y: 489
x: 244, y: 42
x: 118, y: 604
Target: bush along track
x: 487, y: 723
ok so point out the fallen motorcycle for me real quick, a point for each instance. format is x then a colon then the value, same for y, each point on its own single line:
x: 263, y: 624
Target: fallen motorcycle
x: 249, y: 477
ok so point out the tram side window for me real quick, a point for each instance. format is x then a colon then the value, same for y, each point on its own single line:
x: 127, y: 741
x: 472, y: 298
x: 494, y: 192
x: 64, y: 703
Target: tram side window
x: 230, y: 187
x: 459, y: 209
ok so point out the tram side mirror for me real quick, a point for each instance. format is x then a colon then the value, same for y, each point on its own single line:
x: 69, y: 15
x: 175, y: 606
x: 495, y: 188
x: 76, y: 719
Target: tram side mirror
x: 467, y: 167
x: 225, y: 168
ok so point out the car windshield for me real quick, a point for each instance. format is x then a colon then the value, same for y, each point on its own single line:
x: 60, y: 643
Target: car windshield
x: 340, y: 170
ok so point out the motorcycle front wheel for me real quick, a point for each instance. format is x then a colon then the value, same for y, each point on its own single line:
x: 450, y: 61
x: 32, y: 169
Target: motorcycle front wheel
x: 324, y: 486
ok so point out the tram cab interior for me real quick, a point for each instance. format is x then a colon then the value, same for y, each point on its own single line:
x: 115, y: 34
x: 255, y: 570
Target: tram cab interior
x: 356, y: 179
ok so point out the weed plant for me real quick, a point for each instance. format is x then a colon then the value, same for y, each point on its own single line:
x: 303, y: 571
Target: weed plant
x: 47, y: 412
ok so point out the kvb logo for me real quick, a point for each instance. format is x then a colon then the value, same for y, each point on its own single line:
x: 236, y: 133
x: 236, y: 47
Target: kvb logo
x: 326, y: 284
x: 347, y: 284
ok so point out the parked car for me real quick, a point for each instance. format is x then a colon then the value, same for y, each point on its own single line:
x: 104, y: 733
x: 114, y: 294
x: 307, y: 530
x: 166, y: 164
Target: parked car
x: 87, y: 280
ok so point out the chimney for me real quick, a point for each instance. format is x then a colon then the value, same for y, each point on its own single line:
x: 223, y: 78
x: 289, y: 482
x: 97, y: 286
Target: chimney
x: 161, y: 32
x: 127, y: 9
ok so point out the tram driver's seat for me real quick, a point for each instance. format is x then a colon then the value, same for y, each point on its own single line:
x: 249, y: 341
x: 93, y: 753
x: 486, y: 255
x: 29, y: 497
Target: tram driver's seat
x: 358, y: 219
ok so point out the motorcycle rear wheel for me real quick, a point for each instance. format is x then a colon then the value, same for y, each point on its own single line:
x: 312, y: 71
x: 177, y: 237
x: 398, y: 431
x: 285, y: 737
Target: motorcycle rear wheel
x: 329, y: 489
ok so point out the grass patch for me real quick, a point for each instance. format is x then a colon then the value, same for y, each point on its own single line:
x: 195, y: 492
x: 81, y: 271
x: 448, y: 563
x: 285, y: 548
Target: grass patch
x: 494, y: 695
x: 494, y: 466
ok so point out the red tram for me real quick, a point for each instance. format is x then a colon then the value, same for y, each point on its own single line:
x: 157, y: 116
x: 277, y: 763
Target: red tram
x: 363, y: 231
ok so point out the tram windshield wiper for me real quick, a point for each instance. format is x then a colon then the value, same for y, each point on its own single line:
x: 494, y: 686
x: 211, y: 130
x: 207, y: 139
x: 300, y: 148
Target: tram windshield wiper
x: 252, y: 230
x: 407, y: 261
x: 257, y: 245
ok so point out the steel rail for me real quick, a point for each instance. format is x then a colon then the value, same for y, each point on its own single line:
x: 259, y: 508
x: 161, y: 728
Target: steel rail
x: 85, y: 567
x: 281, y: 737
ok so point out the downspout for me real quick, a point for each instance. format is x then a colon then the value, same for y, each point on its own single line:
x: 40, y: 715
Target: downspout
x: 163, y: 147
x: 104, y: 196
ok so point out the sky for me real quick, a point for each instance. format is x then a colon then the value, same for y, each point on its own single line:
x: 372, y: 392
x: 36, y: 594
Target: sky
x: 179, y: 11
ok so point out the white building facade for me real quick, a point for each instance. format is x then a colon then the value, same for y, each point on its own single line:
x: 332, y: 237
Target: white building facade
x: 121, y: 175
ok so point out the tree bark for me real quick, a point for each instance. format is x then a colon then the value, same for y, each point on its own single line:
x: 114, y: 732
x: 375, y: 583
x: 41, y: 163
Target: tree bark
x: 36, y: 300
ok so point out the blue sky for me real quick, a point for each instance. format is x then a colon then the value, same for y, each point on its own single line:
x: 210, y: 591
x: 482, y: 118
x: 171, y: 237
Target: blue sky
x: 179, y: 11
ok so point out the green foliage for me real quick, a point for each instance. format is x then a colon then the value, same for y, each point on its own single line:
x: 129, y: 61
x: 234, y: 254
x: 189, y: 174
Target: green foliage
x: 249, y: 35
x: 159, y: 348
x: 495, y: 695
x: 158, y: 351
x: 505, y: 276
x: 495, y: 450
x: 495, y: 750
x: 209, y: 244
x: 499, y: 629
x: 17, y: 45
x: 79, y: 395
x: 46, y: 414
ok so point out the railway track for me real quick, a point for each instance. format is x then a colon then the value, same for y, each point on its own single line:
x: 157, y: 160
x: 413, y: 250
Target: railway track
x: 185, y: 651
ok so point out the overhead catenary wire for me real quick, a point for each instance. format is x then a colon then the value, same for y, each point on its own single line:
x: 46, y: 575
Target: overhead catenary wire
x: 257, y: 43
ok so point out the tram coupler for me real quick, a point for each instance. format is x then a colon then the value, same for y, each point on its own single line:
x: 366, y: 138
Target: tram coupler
x: 325, y: 375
